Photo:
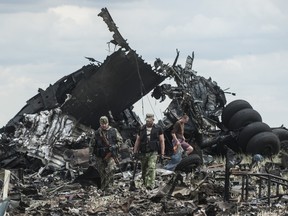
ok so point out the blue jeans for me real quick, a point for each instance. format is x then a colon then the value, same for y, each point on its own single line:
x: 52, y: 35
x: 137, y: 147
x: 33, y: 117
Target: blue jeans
x: 175, y: 159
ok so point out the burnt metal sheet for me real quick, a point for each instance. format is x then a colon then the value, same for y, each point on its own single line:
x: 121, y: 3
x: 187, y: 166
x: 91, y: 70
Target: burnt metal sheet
x: 92, y: 91
x: 121, y: 81
x: 53, y: 96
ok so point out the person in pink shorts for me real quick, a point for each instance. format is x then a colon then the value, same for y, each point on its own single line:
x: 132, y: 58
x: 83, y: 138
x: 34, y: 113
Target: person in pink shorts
x: 178, y: 135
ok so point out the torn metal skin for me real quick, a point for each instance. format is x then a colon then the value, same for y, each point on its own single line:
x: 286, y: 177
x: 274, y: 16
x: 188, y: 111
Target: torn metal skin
x: 47, y: 144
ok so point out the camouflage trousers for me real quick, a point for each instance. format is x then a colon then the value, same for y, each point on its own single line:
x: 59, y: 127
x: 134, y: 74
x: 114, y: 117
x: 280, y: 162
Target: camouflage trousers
x: 106, y: 170
x: 148, y: 165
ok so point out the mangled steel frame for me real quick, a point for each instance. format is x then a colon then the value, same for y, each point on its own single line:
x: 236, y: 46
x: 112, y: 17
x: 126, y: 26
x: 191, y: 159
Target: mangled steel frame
x: 201, y: 99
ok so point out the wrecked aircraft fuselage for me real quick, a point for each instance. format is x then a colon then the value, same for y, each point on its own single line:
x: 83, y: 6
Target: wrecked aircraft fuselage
x: 92, y: 91
x: 53, y: 132
x: 65, y: 115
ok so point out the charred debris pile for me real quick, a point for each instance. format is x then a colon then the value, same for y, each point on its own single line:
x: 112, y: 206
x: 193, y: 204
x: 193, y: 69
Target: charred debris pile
x: 45, y: 147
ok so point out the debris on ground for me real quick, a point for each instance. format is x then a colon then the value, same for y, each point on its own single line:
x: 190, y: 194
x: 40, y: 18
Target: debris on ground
x: 238, y: 166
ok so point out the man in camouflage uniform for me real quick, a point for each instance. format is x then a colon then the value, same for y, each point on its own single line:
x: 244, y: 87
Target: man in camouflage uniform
x: 107, y: 142
x: 149, y: 142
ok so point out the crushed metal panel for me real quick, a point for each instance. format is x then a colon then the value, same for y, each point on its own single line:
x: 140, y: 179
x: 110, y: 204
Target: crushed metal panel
x: 117, y: 37
x: 121, y: 81
x: 53, y: 96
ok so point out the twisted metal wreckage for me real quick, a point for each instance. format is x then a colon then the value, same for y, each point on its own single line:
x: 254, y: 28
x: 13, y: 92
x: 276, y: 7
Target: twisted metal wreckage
x: 54, y: 129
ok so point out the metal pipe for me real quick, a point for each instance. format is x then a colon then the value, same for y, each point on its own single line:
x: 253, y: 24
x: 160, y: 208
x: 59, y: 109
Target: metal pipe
x: 242, y: 189
x: 269, y: 189
x: 227, y: 179
x: 260, y: 188
x: 246, y: 188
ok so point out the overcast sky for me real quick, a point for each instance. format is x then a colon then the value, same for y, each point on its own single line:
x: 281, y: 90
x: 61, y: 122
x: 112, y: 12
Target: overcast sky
x: 240, y: 44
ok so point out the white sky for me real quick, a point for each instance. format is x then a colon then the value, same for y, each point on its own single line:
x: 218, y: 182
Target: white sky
x: 241, y: 44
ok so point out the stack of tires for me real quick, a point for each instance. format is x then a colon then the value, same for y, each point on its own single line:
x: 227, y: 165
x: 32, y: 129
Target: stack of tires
x: 254, y: 136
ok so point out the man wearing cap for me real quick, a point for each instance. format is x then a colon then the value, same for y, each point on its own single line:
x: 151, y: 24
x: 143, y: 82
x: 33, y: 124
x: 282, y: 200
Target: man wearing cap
x: 149, y: 142
x: 107, y: 142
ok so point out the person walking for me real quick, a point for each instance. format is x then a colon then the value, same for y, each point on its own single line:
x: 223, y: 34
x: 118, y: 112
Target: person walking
x: 178, y: 138
x: 180, y: 146
x: 107, y: 142
x: 149, y: 142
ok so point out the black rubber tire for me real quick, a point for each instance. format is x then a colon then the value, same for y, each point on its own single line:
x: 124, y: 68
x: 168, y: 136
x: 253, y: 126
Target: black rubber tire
x: 281, y: 133
x: 230, y: 109
x: 284, y: 145
x: 264, y: 143
x: 188, y: 163
x: 249, y: 131
x: 244, y: 117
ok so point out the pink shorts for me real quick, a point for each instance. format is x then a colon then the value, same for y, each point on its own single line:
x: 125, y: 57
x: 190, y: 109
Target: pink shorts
x: 184, y: 144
